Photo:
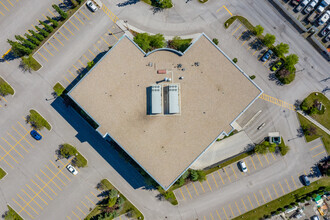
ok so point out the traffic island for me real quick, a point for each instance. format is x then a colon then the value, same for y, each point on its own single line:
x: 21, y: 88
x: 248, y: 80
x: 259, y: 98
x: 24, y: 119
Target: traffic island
x: 11, y: 214
x: 5, y: 88
x: 67, y: 151
x: 58, y: 89
x: 37, y: 121
x: 2, y: 173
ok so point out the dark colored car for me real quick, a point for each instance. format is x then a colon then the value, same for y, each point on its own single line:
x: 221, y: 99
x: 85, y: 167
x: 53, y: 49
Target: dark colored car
x: 305, y: 180
x: 276, y: 66
x: 267, y: 55
x: 36, y: 135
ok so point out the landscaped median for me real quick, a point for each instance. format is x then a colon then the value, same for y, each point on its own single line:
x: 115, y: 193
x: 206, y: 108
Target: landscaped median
x: 37, y: 121
x: 292, y: 199
x: 58, y: 89
x: 67, y: 151
x: 5, y: 88
x: 2, y: 173
x: 159, y: 3
x: 113, y: 204
x: 11, y: 214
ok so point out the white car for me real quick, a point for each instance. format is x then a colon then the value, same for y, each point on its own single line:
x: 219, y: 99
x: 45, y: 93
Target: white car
x: 91, y: 6
x: 324, y: 18
x: 72, y: 169
x: 243, y: 166
x: 311, y: 6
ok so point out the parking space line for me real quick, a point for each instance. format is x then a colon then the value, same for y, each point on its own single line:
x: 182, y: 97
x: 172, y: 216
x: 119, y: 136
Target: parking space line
x: 10, y: 3
x: 294, y: 182
x: 216, y: 184
x: 76, y: 215
x: 42, y: 56
x: 252, y: 44
x: 44, y: 184
x: 31, y: 198
x: 195, y: 188
x: 85, y: 205
x: 81, y: 63
x: 7, y: 153
x: 86, y: 58
x: 288, y: 185
x: 84, y: 14
x: 68, y: 217
x: 75, y: 67
x: 2, y: 13
x: 113, y: 34
x: 68, y: 30
x: 60, y: 170
x: 23, y: 136
x: 250, y: 202
x: 17, y: 142
x: 273, y: 156
x: 236, y: 29
x: 51, y: 180
x: 262, y: 195
x: 221, y: 178
x: 23, y: 126
x: 255, y: 196
x: 56, y: 175
x: 227, y: 174
x: 255, y: 52
x: 63, y: 35
x: 233, y: 171
x: 26, y: 204
x: 266, y: 62
x: 241, y: 35
x: 52, y: 45
x: 188, y: 191
x: 239, y: 211
x: 91, y: 52
x: 211, y: 216
x: 266, y: 158
x: 81, y: 210
x: 201, y: 186
x: 259, y: 160
x: 79, y: 20
x: 105, y: 41
x: 218, y: 214
x: 66, y: 79
x: 225, y: 212
x: 4, y: 6
x: 8, y: 163
x: 231, y: 210
x: 244, y: 205
x: 58, y: 40
x: 74, y: 25
x: 51, y: 12
x: 182, y: 194
x: 253, y: 163
x: 22, y: 208
x: 315, y: 147
x: 36, y: 193
x: 208, y: 184
x: 97, y: 48
x: 90, y: 200
x: 281, y: 187
x: 275, y: 190
x: 318, y: 154
x: 12, y: 147
x: 42, y: 189
x: 1, y: 95
x: 71, y: 74
x: 271, y: 198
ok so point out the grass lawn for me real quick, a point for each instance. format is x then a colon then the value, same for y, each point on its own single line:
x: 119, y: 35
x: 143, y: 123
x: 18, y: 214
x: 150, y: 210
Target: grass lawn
x: 2, y: 173
x: 58, y: 89
x: 284, y: 200
x: 67, y: 150
x: 5, y: 88
x: 243, y: 20
x: 127, y: 206
x: 12, y: 215
x: 323, y: 119
x: 319, y: 133
x: 30, y: 62
x: 169, y: 195
x: 38, y: 121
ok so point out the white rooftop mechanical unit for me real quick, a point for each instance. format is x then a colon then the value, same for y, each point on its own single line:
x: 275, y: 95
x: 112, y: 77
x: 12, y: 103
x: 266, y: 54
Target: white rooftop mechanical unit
x: 156, y: 99
x: 173, y: 99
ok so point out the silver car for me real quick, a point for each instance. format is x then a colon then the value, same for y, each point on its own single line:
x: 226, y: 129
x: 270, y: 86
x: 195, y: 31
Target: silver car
x: 91, y: 6
x: 71, y: 169
x: 243, y: 166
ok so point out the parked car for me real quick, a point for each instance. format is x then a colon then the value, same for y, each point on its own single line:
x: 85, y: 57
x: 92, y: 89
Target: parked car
x: 325, y: 30
x: 315, y: 217
x: 302, y: 5
x: 310, y: 6
x: 72, y: 169
x: 243, y: 166
x: 305, y: 180
x: 295, y: 2
x: 91, y: 6
x: 36, y: 135
x: 324, y: 18
x: 327, y: 38
x: 323, y: 4
x: 276, y: 66
x: 267, y: 55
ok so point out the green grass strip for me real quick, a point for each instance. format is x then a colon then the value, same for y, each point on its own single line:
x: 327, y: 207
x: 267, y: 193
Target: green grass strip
x: 12, y: 215
x: 2, y: 173
x: 58, y: 89
x: 38, y: 121
x: 5, y: 88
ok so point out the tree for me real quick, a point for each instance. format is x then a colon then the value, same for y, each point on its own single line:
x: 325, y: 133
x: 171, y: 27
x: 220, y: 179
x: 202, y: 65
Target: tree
x: 281, y: 49
x: 19, y: 49
x: 260, y: 149
x: 48, y: 28
x: 157, y: 41
x: 269, y: 40
x: 201, y: 175
x: 53, y: 21
x: 20, y: 38
x: 90, y: 64
x: 120, y: 201
x: 37, y: 35
x: 67, y: 150
x: 290, y: 62
x: 193, y: 175
x: 235, y: 60
x: 32, y: 39
x: 272, y: 147
x: 284, y: 149
x: 25, y: 42
x: 215, y: 41
x: 143, y: 41
x: 113, y: 193
x: 112, y: 201
x: 63, y: 14
x: 42, y: 31
x: 180, y: 44
x: 258, y: 30
x: 181, y: 181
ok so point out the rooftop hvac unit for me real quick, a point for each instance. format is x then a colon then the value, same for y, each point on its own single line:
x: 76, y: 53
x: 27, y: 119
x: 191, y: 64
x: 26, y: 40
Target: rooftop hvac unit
x: 161, y: 71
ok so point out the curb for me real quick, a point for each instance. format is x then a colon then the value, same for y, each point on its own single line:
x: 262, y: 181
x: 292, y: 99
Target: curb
x: 8, y: 84
x: 51, y: 127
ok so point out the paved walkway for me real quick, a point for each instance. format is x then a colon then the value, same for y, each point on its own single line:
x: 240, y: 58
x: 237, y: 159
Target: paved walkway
x: 314, y: 122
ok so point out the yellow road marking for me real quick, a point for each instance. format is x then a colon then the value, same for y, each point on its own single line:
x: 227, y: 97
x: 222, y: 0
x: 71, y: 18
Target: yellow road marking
x: 231, y: 210
x: 201, y: 186
x: 105, y: 41
x: 34, y: 26
x: 97, y: 48
x: 294, y: 182
x: 281, y: 187
x: 91, y: 52
x: 113, y: 34
x: 262, y: 195
x: 315, y: 147
x: 318, y: 154
x: 275, y: 190
x: 66, y: 79
x: 204, y: 218
x: 10, y: 3
x: 60, y: 170
x: 23, y: 126
x: 52, y: 45
x: 221, y: 178
x: 45, y: 16
x: 22, y: 207
x: 3, y: 98
x: 250, y: 202
x: 241, y: 35
x: 288, y: 185
x: 227, y: 174
x: 259, y: 159
x: 81, y: 63
x: 17, y: 142
x: 84, y: 205
x: 36, y: 193
x: 68, y: 217
x: 7, y: 153
x: 42, y: 56
x: 277, y: 101
x: 225, y: 212
x: 238, y: 208
x: 244, y: 42
x: 76, y: 215
x: 182, y: 194
x: 71, y: 74
x: 63, y: 35
x: 90, y: 200
x: 68, y: 30
x: 233, y: 171
x: 211, y: 216
x: 81, y: 210
x: 75, y: 67
x: 4, y: 6
x: 253, y: 163
x: 252, y: 44
x: 54, y: 174
x: 79, y: 20
x: 84, y: 14
x: 244, y: 205
x: 2, y: 13
x: 269, y: 193
x: 74, y: 25
x: 255, y: 196
x: 51, y: 12
x: 13, y: 147
x: 51, y: 179
x: 216, y: 184
x: 23, y: 136
x: 195, y: 188
x: 86, y: 58
x: 42, y: 189
x: 218, y: 214
x: 208, y: 184
x: 236, y: 29
x: 305, y: 172
x: 27, y: 204
x: 255, y: 52
x: 188, y: 191
x: 31, y: 198
x: 246, y: 167
x: 226, y: 10
x: 273, y: 156
x: 48, y: 51
x: 266, y: 158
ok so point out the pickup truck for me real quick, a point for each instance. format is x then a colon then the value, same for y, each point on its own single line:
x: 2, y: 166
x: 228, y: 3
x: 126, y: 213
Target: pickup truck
x: 310, y: 6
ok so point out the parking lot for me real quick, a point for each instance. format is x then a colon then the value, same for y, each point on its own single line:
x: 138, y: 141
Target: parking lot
x: 6, y: 6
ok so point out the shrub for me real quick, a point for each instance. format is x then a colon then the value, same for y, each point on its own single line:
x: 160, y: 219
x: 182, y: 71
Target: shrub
x: 113, y: 193
x: 201, y: 175
x: 112, y: 201
x: 285, y: 76
x: 37, y: 121
x: 252, y: 77
x: 260, y: 149
x: 235, y: 60
x: 5, y: 88
x: 58, y: 89
x: 258, y: 30
x: 180, y: 181
x: 29, y: 63
x: 193, y: 175
x: 284, y: 149
x: 179, y: 44
x: 67, y: 150
x: 120, y: 201
x: 215, y: 41
x: 63, y: 14
x: 79, y: 161
x: 42, y: 31
x: 48, y: 28
x: 53, y: 21
x: 143, y: 41
x: 157, y: 41
x: 90, y: 65
x: 308, y: 198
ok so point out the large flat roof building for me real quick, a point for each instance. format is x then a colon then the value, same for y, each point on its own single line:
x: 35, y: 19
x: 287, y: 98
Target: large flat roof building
x: 197, y: 99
